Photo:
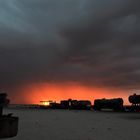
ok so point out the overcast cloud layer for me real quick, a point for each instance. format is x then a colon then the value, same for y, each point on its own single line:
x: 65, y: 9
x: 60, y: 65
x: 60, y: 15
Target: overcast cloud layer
x: 92, y: 42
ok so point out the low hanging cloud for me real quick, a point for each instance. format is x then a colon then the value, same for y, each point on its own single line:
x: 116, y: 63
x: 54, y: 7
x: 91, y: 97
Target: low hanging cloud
x: 92, y: 42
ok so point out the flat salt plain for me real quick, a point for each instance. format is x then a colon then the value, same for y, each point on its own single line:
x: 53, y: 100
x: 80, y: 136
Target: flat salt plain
x: 43, y: 124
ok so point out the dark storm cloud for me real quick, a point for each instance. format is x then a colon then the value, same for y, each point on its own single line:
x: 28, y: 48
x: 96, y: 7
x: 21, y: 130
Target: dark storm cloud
x: 93, y: 42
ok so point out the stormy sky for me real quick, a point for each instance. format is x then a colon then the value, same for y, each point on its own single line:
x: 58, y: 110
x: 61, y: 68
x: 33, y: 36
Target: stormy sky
x: 91, y: 42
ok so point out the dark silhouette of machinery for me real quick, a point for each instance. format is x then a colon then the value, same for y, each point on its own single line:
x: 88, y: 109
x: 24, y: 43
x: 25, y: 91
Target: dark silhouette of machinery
x: 55, y: 105
x: 135, y: 102
x: 65, y: 104
x: 81, y: 104
x: 75, y: 104
x: 8, y: 123
x: 134, y: 99
x: 116, y: 104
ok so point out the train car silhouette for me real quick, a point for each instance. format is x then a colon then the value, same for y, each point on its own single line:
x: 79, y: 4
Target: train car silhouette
x: 55, y: 106
x: 81, y: 105
x: 65, y: 104
x: 115, y: 104
x: 76, y: 104
x: 135, y: 102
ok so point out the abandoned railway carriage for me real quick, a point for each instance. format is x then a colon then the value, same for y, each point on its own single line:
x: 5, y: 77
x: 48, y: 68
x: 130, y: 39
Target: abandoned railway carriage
x: 135, y: 102
x: 65, y: 104
x: 81, y: 104
x: 134, y: 99
x: 116, y: 104
x: 75, y: 104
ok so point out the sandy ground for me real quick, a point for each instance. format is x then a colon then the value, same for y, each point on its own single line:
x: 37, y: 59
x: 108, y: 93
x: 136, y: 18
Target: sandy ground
x: 76, y: 125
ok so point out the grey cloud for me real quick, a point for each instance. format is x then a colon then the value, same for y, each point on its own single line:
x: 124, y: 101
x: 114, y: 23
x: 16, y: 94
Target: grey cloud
x: 93, y: 42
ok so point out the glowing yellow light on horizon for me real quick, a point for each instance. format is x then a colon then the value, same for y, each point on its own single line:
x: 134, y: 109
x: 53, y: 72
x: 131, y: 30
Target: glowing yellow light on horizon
x: 45, y: 103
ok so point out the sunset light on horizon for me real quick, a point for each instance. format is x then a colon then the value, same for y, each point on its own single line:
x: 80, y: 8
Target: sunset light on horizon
x: 56, y: 50
x: 55, y: 92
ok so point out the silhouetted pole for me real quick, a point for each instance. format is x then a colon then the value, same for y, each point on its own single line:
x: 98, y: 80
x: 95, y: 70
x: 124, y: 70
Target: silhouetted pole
x: 1, y: 109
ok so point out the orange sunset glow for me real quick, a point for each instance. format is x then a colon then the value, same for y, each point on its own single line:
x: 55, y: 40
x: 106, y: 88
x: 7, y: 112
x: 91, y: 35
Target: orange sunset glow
x: 35, y: 93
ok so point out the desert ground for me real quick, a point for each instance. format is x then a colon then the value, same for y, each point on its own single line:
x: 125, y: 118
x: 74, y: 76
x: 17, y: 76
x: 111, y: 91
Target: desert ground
x: 43, y: 124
